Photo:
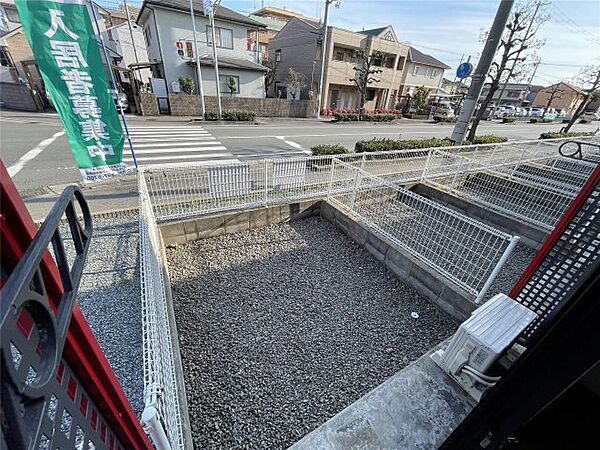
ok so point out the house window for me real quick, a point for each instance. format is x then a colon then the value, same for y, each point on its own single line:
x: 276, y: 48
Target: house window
x: 370, y: 94
x: 401, y: 61
x: 12, y: 15
x: 5, y: 59
x: 513, y: 94
x: 339, y: 55
x: 416, y: 70
x: 223, y: 37
x: 434, y: 73
x: 225, y: 83
x: 278, y: 55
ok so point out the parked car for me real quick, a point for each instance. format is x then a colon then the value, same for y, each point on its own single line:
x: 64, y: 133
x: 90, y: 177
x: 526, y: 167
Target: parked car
x: 441, y: 109
x: 590, y: 115
x: 536, y: 112
x: 526, y: 111
x: 505, y: 111
x: 120, y: 98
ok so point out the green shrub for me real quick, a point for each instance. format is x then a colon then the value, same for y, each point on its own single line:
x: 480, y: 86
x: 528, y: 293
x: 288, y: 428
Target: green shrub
x: 325, y: 149
x: 239, y: 115
x: 509, y: 119
x: 534, y: 120
x: 385, y: 144
x: 186, y: 84
x: 584, y: 121
x: 211, y: 116
x: 568, y: 134
x: 349, y: 117
x: 488, y: 139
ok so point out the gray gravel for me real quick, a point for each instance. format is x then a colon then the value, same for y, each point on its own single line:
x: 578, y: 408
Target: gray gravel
x: 281, y: 328
x: 513, y: 268
x: 109, y: 296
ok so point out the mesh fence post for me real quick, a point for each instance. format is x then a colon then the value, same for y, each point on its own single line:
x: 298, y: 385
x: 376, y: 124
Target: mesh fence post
x: 426, y: 167
x: 499, y: 265
x: 266, y: 167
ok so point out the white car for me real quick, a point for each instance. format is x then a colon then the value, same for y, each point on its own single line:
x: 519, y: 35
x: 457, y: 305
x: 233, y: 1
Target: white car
x: 536, y: 112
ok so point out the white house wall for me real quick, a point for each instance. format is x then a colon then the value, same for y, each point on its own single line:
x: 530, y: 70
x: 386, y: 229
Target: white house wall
x: 175, y: 26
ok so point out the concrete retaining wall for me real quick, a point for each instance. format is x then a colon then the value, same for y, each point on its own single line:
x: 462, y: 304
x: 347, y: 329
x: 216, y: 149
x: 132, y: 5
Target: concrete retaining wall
x: 16, y: 96
x: 184, y: 231
x: 530, y: 236
x: 447, y: 296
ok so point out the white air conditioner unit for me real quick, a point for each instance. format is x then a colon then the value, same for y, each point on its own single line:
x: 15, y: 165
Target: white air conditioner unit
x: 480, y: 340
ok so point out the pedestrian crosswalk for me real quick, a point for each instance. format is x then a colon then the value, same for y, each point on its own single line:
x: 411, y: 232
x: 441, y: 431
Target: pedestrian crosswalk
x: 164, y: 144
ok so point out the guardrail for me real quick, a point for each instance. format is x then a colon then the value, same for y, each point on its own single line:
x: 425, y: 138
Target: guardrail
x: 463, y: 250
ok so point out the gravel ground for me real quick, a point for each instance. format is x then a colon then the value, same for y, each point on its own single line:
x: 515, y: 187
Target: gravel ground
x: 513, y: 268
x: 281, y: 328
x: 109, y: 296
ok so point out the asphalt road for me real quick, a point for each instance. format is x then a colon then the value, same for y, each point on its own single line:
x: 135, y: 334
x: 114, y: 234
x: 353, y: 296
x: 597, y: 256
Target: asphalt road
x: 37, y: 154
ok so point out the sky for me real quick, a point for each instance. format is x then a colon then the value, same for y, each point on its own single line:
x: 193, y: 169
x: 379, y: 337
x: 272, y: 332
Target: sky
x: 449, y: 29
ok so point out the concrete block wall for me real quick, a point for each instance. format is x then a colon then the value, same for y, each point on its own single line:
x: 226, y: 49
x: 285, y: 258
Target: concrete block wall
x: 16, y: 96
x: 148, y: 104
x: 445, y: 294
x: 184, y: 231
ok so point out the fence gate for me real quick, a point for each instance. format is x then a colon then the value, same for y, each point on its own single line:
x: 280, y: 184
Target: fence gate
x: 57, y: 388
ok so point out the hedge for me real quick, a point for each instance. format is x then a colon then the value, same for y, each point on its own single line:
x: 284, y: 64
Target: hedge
x: 345, y: 117
x: 487, y: 139
x: 385, y: 144
x: 509, y: 119
x: 239, y: 115
x: 544, y: 120
x: 325, y: 149
x: 568, y: 134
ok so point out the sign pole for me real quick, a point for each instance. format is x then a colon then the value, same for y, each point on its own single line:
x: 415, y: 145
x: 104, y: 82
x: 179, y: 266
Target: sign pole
x: 198, y: 68
x: 113, y: 81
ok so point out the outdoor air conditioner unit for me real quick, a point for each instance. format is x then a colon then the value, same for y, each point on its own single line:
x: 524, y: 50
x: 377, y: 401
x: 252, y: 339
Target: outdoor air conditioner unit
x: 480, y: 340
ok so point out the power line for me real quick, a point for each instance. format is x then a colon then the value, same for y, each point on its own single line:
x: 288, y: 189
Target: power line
x: 574, y: 26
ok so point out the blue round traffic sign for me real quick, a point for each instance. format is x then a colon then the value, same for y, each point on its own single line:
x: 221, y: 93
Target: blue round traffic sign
x: 464, y: 70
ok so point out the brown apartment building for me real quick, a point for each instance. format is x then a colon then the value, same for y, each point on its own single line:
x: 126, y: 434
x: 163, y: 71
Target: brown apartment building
x: 562, y: 95
x: 298, y: 46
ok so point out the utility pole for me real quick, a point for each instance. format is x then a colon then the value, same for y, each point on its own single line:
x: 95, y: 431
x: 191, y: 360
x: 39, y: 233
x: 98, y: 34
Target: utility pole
x: 198, y: 68
x: 137, y: 60
x: 531, y: 77
x: 514, y: 64
x: 211, y: 17
x: 483, y: 66
x: 323, y: 57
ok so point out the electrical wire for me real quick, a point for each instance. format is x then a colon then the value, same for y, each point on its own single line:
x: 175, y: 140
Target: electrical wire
x: 477, y: 377
x: 482, y: 375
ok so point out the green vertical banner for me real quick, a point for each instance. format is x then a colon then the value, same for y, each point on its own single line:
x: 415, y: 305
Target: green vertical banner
x: 64, y: 44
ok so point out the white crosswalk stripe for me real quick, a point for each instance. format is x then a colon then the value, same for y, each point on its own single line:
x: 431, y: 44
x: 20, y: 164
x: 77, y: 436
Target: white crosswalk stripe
x: 164, y: 144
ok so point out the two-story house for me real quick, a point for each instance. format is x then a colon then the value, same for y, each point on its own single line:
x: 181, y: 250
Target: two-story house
x: 298, y: 46
x: 422, y: 70
x: 170, y: 41
x: 515, y: 94
x: 560, y: 95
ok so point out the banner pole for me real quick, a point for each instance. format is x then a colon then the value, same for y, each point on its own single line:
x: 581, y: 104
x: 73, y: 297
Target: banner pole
x: 113, y: 80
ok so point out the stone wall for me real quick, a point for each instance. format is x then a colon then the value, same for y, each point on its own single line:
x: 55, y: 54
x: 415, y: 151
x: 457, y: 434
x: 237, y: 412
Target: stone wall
x: 185, y: 105
x: 148, y: 104
x: 189, y: 105
x: 16, y: 96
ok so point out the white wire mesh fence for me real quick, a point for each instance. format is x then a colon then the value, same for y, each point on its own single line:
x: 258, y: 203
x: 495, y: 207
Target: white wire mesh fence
x: 160, y: 385
x: 178, y: 191
x: 463, y: 250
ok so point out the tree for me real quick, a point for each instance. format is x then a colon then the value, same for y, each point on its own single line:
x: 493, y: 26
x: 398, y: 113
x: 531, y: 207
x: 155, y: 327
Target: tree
x: 420, y: 98
x: 187, y: 84
x: 272, y: 65
x: 589, y: 80
x: 231, y: 86
x: 295, y: 82
x: 364, y: 75
x: 518, y: 44
x: 556, y: 92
